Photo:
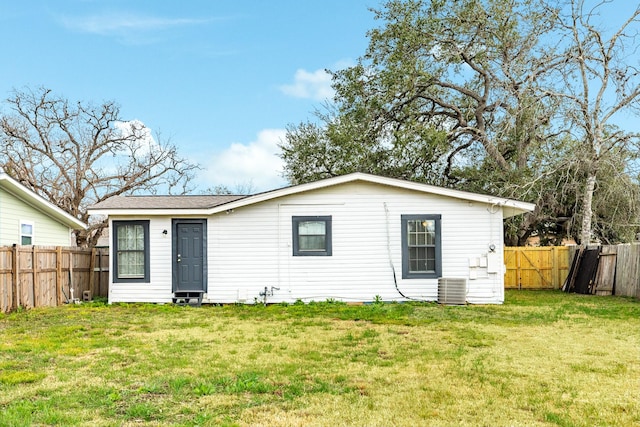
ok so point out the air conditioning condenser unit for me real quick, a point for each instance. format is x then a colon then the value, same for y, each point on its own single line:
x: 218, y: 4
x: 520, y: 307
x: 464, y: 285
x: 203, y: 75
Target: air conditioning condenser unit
x: 452, y: 291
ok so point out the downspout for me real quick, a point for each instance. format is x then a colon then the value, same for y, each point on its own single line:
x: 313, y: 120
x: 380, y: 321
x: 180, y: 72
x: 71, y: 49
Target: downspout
x: 279, y: 249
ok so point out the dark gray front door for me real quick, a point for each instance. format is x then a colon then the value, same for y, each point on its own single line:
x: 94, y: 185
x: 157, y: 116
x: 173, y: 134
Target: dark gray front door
x: 189, y: 255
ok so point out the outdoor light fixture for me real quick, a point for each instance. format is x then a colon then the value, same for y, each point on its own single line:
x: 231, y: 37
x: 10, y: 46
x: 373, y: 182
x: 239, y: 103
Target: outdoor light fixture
x: 164, y: 232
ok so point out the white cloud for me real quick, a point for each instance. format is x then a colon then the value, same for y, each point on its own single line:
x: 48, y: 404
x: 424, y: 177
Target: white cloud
x: 314, y: 85
x: 109, y: 24
x: 125, y: 26
x: 136, y: 128
x: 255, y: 165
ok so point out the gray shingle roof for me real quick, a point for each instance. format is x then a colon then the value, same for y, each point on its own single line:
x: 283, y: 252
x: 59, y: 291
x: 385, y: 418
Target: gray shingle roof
x: 165, y: 202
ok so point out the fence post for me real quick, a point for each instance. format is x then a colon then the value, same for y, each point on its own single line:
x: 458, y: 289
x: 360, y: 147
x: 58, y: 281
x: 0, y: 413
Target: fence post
x: 92, y: 273
x: 72, y: 296
x: 34, y: 275
x: 15, y: 286
x: 100, y: 271
x: 58, y: 275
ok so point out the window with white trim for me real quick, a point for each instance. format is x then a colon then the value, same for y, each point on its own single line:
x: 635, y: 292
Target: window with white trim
x: 421, y: 246
x: 131, y: 250
x: 26, y: 233
x: 312, y: 236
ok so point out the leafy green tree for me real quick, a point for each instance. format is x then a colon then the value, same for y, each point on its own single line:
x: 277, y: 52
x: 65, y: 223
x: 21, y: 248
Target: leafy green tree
x: 345, y: 145
x: 480, y: 95
x: 466, y: 69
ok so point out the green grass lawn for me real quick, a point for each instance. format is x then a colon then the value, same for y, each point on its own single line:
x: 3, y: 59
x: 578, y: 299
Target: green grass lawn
x: 541, y: 359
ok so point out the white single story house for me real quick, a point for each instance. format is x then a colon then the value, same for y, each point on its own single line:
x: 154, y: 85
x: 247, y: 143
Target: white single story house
x: 28, y: 219
x: 353, y: 238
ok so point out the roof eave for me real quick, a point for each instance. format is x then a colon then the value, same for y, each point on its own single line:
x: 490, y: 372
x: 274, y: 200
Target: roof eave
x: 147, y: 212
x: 38, y: 202
x: 512, y: 208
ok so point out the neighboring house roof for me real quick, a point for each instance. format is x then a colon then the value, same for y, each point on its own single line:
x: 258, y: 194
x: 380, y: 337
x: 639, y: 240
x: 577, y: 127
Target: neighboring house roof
x: 38, y: 202
x: 207, y: 205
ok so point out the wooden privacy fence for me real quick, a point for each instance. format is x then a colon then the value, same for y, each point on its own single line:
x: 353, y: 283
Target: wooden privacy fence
x: 615, y: 268
x: 627, y: 281
x: 606, y: 270
x: 39, y: 276
x: 543, y: 267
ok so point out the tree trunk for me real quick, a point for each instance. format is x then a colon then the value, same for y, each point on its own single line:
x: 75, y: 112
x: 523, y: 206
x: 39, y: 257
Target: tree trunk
x: 587, y: 212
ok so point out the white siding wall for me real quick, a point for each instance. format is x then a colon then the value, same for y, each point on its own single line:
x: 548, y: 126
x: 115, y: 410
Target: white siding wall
x: 251, y: 248
x: 159, y: 287
x: 46, y: 231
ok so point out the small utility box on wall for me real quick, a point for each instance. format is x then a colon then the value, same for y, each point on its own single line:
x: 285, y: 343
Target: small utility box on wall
x: 494, y: 261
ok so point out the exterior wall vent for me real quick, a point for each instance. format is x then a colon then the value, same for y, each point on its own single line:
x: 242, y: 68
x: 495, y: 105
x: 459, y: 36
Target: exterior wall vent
x: 452, y: 291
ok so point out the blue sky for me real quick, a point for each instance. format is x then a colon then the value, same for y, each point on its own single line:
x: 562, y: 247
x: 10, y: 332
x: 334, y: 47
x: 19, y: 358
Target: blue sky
x: 222, y: 79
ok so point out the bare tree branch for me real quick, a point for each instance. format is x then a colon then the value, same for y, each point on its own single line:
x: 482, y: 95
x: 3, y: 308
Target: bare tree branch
x: 75, y: 155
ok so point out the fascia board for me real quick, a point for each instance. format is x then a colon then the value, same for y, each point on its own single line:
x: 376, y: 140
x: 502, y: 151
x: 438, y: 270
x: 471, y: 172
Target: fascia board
x: 40, y: 203
x: 150, y: 212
